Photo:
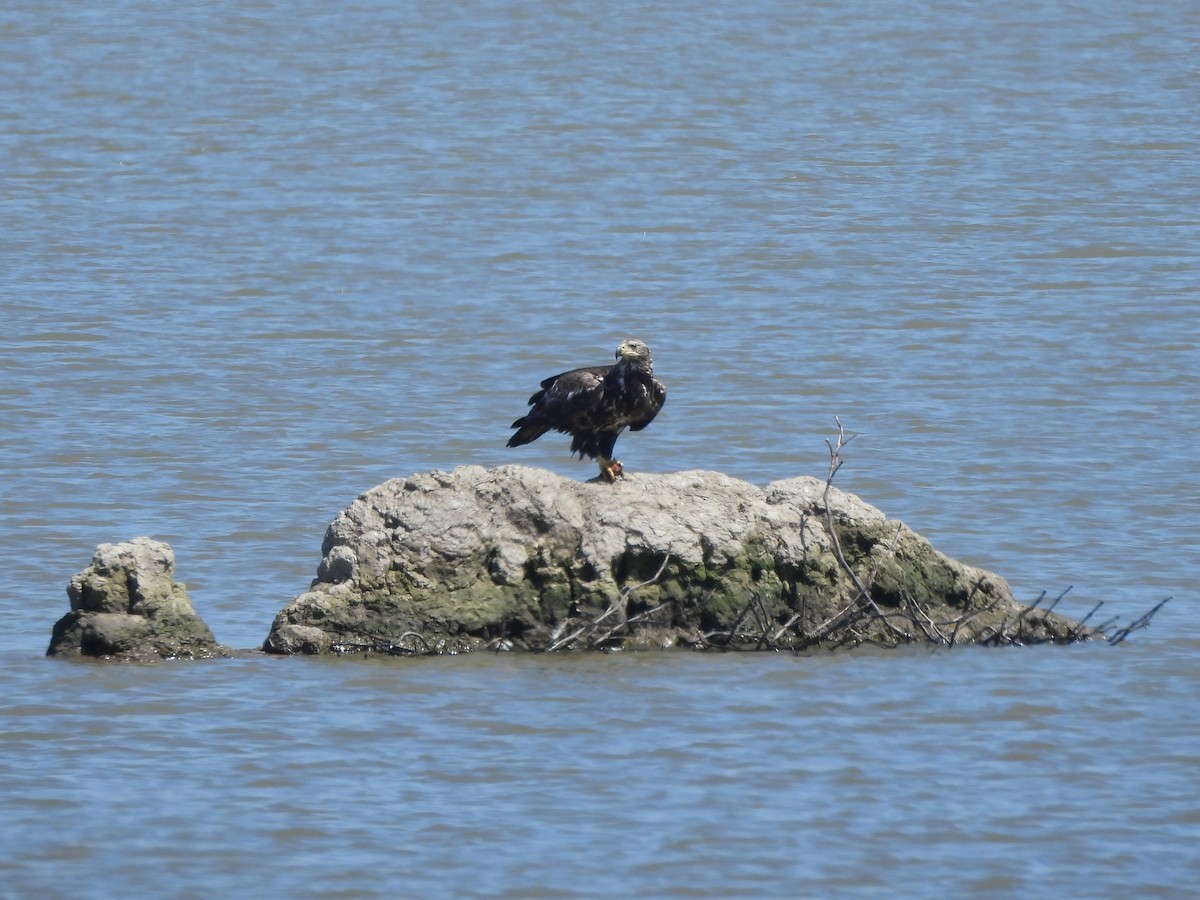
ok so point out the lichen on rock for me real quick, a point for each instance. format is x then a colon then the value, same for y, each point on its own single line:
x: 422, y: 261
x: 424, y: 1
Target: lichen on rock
x: 521, y: 558
x: 127, y: 605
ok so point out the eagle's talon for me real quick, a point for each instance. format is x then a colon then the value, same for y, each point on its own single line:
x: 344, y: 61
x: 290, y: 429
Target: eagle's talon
x: 610, y: 469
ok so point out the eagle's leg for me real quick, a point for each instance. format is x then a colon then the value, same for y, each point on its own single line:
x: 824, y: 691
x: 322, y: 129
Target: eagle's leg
x: 610, y: 469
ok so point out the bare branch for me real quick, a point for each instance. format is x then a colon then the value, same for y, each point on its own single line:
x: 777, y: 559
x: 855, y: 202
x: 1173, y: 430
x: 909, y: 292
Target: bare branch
x: 588, y: 629
x: 1140, y: 622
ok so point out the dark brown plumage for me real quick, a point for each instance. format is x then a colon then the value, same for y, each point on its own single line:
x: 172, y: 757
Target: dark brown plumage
x: 595, y: 404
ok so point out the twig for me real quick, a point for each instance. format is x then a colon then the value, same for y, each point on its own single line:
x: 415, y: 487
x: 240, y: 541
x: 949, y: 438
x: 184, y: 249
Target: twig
x: 1140, y: 622
x: 1091, y: 613
x: 864, y: 597
x: 629, y: 591
x: 589, y: 628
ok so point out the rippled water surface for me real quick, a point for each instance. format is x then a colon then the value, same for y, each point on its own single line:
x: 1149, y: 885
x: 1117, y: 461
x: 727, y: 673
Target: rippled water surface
x: 260, y: 257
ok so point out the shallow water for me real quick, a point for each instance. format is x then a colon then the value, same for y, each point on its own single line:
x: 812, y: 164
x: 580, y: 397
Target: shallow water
x: 260, y: 258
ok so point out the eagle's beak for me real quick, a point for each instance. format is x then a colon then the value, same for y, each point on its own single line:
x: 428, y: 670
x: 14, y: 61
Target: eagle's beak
x: 625, y: 350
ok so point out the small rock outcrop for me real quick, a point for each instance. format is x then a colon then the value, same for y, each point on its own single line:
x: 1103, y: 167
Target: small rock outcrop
x: 127, y: 605
x: 521, y: 558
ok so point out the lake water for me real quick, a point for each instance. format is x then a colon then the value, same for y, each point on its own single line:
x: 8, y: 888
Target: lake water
x: 259, y: 257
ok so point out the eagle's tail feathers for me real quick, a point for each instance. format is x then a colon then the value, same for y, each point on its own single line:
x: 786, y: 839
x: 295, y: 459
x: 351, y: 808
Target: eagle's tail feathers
x: 527, y: 434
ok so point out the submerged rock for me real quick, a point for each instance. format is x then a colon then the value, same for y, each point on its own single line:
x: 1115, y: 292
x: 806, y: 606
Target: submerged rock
x: 521, y: 558
x: 127, y: 605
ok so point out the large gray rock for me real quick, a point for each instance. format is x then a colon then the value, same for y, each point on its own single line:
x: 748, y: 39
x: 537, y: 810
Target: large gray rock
x: 521, y: 558
x: 127, y: 605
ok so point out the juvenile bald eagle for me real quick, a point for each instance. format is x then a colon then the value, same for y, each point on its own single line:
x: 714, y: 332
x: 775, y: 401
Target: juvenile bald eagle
x: 595, y: 404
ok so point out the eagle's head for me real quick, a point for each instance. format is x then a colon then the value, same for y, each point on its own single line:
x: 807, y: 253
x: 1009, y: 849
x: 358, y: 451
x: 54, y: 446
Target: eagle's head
x: 635, y: 353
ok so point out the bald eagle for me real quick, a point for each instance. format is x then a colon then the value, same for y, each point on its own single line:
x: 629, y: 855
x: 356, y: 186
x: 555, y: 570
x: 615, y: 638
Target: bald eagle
x: 595, y: 404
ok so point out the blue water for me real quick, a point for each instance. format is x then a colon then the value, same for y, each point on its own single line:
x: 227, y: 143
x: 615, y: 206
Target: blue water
x: 258, y: 258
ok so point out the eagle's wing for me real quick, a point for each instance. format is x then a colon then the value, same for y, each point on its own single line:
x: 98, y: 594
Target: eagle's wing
x: 653, y: 403
x: 563, y: 402
x: 564, y: 396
